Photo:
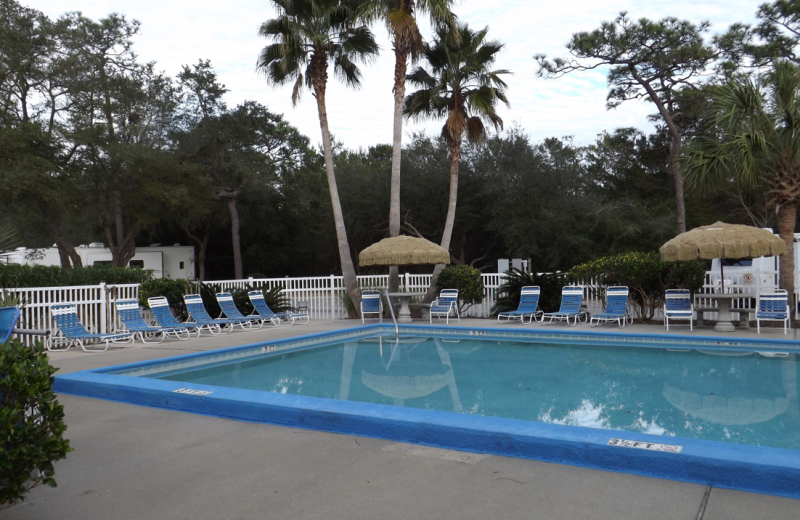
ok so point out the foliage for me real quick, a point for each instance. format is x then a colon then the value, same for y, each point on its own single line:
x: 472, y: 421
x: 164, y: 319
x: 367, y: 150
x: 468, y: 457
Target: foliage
x: 208, y: 292
x: 173, y: 290
x: 645, y: 274
x: 31, y: 421
x: 509, y: 293
x: 464, y: 278
x: 15, y: 275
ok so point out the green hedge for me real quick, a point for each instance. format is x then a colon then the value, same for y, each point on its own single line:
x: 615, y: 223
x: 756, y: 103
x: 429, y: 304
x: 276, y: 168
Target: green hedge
x: 645, y: 275
x: 31, y: 421
x: 510, y: 292
x: 464, y: 278
x: 15, y: 275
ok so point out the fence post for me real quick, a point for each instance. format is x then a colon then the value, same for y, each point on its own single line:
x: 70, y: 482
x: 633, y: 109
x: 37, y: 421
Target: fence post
x: 333, y: 297
x: 104, y: 308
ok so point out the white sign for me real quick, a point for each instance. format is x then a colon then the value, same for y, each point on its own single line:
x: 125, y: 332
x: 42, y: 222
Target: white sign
x: 191, y: 391
x: 652, y: 446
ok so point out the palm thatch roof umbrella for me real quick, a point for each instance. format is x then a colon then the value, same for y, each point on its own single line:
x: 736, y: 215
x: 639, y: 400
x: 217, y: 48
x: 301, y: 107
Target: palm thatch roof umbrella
x: 720, y: 240
x: 403, y: 250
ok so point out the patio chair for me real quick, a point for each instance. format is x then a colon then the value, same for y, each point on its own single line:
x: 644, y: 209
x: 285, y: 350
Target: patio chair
x: 159, y: 306
x: 571, y: 301
x: 773, y: 305
x: 203, y: 321
x: 128, y: 311
x: 260, y: 304
x: 371, y: 304
x: 231, y: 312
x: 616, y: 307
x: 528, y: 306
x: 445, y: 305
x: 8, y: 318
x: 72, y: 332
x: 678, y: 306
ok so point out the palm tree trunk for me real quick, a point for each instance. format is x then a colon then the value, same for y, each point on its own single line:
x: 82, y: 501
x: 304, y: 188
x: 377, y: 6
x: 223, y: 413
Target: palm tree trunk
x: 675, y: 171
x: 455, y: 155
x: 348, y: 270
x: 401, y: 58
x: 238, y: 271
x: 787, y: 218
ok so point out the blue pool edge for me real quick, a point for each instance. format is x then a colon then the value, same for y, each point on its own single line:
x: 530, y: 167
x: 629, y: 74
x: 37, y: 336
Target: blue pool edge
x: 771, y: 471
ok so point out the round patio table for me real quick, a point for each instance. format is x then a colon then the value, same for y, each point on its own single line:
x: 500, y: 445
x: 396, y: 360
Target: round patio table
x: 724, y: 317
x: 404, y: 314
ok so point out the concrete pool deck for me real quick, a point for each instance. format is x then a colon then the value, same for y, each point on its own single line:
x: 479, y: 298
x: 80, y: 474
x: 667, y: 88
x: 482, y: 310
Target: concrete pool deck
x: 136, y: 462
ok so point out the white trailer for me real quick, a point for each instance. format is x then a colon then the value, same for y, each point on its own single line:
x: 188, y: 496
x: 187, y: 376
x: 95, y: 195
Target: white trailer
x: 759, y: 273
x: 165, y: 261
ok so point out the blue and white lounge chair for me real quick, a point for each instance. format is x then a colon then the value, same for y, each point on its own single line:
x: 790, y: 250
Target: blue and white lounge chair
x: 231, y: 312
x: 571, y: 300
x: 445, y: 305
x: 72, y: 332
x: 371, y: 304
x: 203, y: 321
x: 261, y: 307
x: 159, y: 306
x: 678, y: 306
x: 8, y: 318
x: 616, y: 307
x: 773, y: 305
x: 128, y: 311
x: 528, y: 306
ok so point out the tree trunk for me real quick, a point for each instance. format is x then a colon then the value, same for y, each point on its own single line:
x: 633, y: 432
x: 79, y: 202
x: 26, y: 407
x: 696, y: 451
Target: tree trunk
x: 125, y: 247
x: 675, y: 171
x: 64, y: 246
x: 787, y: 218
x: 401, y: 58
x: 200, y: 258
x: 348, y: 270
x: 455, y: 155
x: 238, y: 272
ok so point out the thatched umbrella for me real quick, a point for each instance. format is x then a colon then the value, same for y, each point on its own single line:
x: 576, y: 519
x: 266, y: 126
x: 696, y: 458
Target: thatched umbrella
x: 403, y: 250
x: 720, y: 240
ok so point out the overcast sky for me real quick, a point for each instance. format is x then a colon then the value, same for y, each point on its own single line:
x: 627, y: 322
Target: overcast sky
x: 177, y: 32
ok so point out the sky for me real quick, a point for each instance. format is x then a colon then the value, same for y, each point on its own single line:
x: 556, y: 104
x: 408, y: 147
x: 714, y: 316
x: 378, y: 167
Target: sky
x: 180, y: 32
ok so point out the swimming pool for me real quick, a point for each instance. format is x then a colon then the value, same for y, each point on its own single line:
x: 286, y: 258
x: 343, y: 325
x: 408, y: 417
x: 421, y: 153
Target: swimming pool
x: 700, y: 409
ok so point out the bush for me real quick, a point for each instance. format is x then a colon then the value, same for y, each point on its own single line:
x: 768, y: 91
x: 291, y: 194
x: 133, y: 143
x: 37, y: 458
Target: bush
x: 508, y: 294
x: 172, y: 290
x: 15, y: 275
x: 645, y: 275
x: 464, y: 278
x: 31, y: 421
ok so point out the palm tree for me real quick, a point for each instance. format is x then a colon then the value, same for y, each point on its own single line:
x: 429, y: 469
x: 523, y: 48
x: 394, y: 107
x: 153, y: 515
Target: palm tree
x: 462, y: 88
x: 406, y: 42
x: 307, y: 35
x: 756, y: 141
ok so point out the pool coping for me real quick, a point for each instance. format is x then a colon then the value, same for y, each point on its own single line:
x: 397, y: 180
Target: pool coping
x: 772, y: 471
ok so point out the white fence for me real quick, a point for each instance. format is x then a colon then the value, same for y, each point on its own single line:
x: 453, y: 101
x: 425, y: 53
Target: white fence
x: 322, y: 296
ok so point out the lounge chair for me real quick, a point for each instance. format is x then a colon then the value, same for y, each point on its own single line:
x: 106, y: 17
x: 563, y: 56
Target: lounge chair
x: 128, y: 311
x: 616, y: 307
x: 371, y: 304
x: 678, y: 306
x: 445, y: 305
x: 528, y: 306
x: 231, y: 312
x: 260, y: 304
x: 203, y: 321
x: 8, y: 318
x: 159, y: 305
x: 773, y: 305
x: 72, y: 332
x: 571, y: 300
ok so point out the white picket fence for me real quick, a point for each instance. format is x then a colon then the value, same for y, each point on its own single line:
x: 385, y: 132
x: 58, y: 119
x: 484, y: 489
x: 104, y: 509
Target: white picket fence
x: 321, y: 295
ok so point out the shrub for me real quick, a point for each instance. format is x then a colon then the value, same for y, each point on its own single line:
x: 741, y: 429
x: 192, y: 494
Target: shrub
x: 464, y: 278
x: 172, y: 290
x: 15, y: 275
x: 508, y: 294
x: 645, y: 275
x: 31, y: 421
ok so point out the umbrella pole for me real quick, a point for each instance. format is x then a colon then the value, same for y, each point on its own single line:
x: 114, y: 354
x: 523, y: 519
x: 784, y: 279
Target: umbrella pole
x: 722, y: 275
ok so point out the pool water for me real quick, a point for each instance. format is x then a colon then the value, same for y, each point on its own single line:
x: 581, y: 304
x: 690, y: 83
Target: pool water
x: 721, y: 395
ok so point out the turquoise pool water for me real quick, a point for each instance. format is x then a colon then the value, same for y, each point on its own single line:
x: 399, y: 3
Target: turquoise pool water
x: 721, y: 395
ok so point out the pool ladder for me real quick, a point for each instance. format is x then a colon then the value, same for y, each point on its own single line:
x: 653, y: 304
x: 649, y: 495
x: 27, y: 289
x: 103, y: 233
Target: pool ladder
x: 391, y: 311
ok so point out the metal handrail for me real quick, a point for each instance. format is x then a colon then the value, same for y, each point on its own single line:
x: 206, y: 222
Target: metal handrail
x: 391, y: 311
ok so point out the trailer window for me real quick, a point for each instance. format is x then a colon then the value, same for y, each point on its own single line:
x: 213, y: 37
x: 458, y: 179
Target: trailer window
x: 101, y: 262
x: 182, y: 265
x: 737, y: 262
x: 136, y: 264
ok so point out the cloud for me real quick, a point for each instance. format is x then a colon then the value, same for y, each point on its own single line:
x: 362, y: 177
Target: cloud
x: 181, y: 32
